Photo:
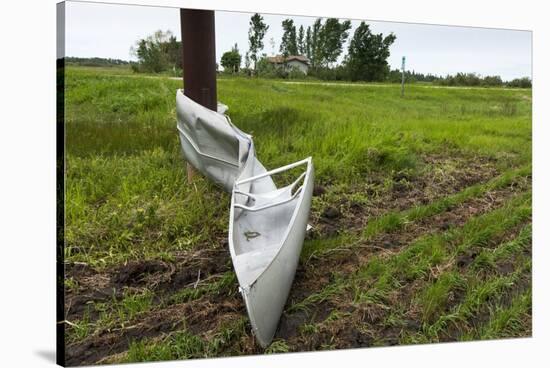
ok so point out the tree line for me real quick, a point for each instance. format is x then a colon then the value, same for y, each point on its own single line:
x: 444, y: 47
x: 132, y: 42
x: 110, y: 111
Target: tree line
x: 323, y: 45
x: 459, y: 79
x: 94, y: 61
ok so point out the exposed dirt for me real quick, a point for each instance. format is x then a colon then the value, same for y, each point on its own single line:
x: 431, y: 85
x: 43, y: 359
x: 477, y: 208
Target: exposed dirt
x: 317, y: 273
x: 185, y: 271
x: 504, y: 266
x: 198, y: 316
x: 447, y: 175
x: 162, y: 277
x: 92, y: 286
x: 141, y: 273
x: 354, y: 330
x: 318, y: 190
x: 337, y: 336
x: 289, y: 325
x: 344, y: 332
x: 454, y: 332
x: 206, y: 314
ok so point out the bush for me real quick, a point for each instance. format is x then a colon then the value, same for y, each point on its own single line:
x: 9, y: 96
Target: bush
x: 265, y: 69
x: 231, y: 61
x: 337, y: 73
x: 461, y: 79
x: 492, y: 81
x: 524, y: 82
x: 473, y: 80
x: 295, y: 73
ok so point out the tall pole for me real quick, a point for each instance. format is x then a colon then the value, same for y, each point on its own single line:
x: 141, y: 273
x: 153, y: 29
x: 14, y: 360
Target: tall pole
x: 403, y: 77
x: 198, y: 35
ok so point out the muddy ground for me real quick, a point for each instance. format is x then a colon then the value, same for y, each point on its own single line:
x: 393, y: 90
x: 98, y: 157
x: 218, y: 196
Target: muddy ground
x: 207, y: 264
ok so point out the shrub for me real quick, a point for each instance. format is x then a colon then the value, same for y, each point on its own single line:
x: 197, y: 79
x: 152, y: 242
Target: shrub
x: 524, y: 82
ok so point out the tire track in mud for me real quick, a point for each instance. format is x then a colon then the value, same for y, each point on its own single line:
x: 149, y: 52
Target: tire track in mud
x: 165, y: 278
x: 406, y: 192
x: 520, y: 286
x: 311, y: 278
x: 364, y: 326
x: 344, y: 332
x: 205, y: 314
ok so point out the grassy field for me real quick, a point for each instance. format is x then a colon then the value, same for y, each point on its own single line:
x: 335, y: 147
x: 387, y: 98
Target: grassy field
x: 421, y: 215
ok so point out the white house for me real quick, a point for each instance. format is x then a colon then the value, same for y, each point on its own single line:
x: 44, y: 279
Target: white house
x: 299, y: 62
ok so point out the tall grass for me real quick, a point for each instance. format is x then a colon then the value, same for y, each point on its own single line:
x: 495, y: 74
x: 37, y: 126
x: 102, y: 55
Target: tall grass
x: 126, y: 191
x: 127, y: 198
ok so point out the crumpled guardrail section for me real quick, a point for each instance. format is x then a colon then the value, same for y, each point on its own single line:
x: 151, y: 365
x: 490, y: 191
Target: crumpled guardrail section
x: 267, y: 224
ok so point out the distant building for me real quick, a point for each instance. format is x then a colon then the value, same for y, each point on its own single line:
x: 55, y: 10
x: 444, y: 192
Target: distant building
x: 299, y: 62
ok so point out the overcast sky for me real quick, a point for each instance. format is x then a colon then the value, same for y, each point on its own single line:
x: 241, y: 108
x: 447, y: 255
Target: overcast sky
x: 108, y: 30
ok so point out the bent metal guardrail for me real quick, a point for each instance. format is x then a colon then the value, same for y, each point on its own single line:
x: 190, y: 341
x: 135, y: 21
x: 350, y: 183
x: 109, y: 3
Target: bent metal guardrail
x: 267, y: 225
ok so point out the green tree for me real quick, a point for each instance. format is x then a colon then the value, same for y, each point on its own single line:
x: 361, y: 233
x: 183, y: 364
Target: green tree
x: 492, y: 80
x: 288, y: 42
x: 231, y: 60
x: 301, y: 41
x: 326, y: 41
x: 332, y: 37
x: 368, y: 54
x: 524, y: 82
x: 175, y: 52
x: 315, y: 46
x: 308, y: 42
x: 256, y: 35
x: 158, y: 52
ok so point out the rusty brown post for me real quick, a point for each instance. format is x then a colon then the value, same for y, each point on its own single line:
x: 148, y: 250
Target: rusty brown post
x: 198, y: 35
x: 199, y: 56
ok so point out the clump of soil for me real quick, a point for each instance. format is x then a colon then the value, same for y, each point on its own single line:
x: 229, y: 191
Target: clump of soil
x: 331, y: 213
x: 138, y: 273
x: 318, y: 190
x: 465, y: 259
x: 155, y: 275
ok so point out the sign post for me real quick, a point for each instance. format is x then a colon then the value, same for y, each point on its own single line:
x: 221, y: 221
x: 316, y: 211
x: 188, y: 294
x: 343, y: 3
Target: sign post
x: 198, y: 36
x: 403, y: 77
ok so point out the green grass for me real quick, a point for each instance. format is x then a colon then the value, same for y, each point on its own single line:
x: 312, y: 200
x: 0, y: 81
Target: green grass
x: 486, y: 294
x: 127, y: 199
x: 434, y: 298
x: 277, y: 346
x: 123, y: 152
x: 225, y: 281
x: 376, y: 283
x: 393, y: 221
x: 428, y: 251
x: 180, y: 345
x: 184, y: 345
x: 509, y: 321
x: 478, y: 296
x: 113, y: 314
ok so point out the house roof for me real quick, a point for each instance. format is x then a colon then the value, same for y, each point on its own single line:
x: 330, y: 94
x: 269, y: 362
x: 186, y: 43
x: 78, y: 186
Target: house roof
x: 280, y: 59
